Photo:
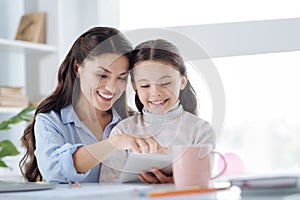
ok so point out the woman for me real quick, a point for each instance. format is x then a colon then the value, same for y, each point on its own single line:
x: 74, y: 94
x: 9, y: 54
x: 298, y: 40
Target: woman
x: 67, y: 139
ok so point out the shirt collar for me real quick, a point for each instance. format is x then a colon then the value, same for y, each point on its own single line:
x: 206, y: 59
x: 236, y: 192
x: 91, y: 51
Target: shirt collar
x: 116, y: 117
x: 68, y: 115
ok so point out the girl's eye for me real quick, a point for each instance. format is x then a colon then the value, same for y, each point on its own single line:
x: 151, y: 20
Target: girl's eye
x: 101, y: 76
x: 145, y: 86
x: 165, y: 84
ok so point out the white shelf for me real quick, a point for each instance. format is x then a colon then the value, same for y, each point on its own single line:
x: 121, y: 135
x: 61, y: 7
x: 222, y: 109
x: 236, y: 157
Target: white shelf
x: 10, y: 109
x: 28, y: 47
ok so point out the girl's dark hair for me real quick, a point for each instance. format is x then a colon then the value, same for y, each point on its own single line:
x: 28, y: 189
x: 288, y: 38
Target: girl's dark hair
x: 95, y: 41
x: 164, y: 51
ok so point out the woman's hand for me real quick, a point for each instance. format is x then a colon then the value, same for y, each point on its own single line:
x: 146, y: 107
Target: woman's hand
x: 155, y: 176
x: 136, y: 143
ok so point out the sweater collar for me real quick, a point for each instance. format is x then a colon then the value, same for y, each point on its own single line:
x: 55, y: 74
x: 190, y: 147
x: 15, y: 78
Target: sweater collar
x: 174, y: 113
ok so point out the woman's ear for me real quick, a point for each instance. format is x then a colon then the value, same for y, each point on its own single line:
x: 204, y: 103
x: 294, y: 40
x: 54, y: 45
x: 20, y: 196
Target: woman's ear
x: 184, y: 81
x: 76, y: 68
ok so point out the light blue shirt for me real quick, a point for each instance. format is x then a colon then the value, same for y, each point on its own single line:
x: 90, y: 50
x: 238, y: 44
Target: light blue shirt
x: 58, y: 135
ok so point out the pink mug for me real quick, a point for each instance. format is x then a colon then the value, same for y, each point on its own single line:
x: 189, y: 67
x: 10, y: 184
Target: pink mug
x: 192, y: 165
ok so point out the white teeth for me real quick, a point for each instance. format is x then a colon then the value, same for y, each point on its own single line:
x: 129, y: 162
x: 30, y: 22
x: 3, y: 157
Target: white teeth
x: 106, y: 96
x: 157, y: 102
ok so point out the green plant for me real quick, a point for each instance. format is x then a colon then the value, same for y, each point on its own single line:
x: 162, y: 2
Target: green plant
x: 7, y: 148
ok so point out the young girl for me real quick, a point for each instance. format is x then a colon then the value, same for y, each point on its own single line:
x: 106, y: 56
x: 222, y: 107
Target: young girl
x: 166, y: 102
x: 68, y: 137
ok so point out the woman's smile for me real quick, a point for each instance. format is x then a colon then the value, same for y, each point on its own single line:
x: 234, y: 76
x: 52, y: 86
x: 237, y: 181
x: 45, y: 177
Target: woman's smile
x: 106, y: 96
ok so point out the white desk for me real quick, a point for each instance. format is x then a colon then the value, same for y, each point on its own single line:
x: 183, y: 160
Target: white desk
x: 113, y: 191
x: 126, y: 191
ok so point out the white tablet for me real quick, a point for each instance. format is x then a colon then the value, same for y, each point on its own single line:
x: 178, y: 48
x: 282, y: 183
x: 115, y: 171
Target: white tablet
x: 137, y: 163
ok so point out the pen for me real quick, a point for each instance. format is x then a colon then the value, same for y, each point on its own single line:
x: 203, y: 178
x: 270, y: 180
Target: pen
x: 178, y: 192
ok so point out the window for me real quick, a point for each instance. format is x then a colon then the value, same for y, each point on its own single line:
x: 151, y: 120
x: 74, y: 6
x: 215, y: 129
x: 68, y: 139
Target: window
x: 262, y: 109
x: 262, y: 98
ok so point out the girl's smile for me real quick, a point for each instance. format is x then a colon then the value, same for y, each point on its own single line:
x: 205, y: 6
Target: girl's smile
x: 158, y: 103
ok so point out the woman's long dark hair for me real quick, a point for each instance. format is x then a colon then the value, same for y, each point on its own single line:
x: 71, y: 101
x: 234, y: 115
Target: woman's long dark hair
x: 95, y: 41
x: 166, y: 52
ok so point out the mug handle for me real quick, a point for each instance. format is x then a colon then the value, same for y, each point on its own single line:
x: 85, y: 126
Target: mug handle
x: 224, y: 167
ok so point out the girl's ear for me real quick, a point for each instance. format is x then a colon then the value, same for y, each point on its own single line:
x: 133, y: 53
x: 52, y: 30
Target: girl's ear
x: 184, y: 81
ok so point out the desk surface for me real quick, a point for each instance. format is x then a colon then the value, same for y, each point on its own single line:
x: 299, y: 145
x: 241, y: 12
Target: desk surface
x: 113, y: 191
x: 125, y: 191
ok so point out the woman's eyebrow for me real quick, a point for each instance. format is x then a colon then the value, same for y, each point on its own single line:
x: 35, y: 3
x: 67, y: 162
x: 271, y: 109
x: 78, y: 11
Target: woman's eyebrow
x: 104, y: 69
x: 124, y: 73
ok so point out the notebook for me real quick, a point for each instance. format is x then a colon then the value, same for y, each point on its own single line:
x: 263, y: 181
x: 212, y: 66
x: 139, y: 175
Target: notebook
x: 268, y: 183
x: 9, y: 186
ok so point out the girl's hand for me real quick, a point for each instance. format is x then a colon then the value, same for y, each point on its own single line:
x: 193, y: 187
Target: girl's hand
x: 136, y: 143
x: 155, y: 176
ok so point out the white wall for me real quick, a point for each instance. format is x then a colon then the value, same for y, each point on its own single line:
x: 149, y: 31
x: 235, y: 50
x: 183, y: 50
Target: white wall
x: 244, y: 38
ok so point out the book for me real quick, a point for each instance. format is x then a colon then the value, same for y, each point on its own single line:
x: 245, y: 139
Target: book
x: 12, y: 97
x: 13, y: 104
x: 21, y: 98
x: 268, y: 183
x: 11, y: 91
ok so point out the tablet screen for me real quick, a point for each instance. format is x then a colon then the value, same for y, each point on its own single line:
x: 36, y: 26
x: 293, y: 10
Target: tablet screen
x: 137, y: 163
